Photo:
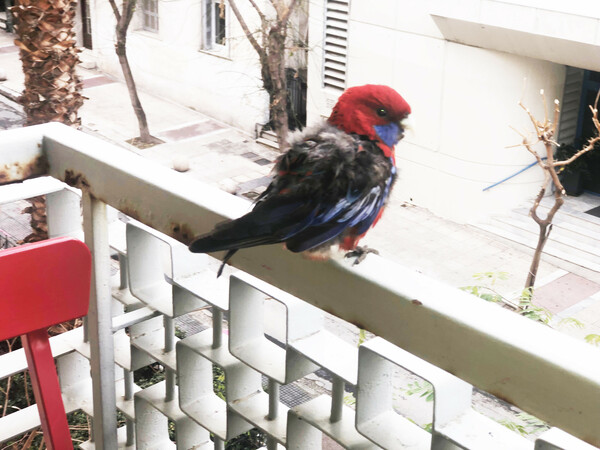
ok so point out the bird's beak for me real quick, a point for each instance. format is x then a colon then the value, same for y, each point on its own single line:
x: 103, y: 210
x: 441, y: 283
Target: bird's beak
x: 406, y: 124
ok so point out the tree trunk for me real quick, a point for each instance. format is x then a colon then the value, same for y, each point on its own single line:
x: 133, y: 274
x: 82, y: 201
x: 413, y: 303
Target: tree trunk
x: 52, y: 88
x: 131, y: 88
x: 37, y: 221
x: 278, y: 94
x: 47, y: 49
x: 123, y: 20
x: 544, y: 233
x: 271, y: 55
x: 545, y: 227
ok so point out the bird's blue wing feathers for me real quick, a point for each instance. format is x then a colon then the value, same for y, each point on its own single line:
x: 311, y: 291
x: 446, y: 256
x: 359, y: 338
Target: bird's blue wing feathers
x: 380, y: 202
x: 312, y: 237
x: 351, y: 211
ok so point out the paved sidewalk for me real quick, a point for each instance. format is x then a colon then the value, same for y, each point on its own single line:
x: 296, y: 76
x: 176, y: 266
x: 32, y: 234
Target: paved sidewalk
x: 230, y: 159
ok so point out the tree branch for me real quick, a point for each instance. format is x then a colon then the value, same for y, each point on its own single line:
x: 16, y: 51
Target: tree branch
x: 258, y: 11
x: 286, y: 15
x: 549, y: 143
x: 534, y: 121
x: 525, y: 143
x: 115, y: 9
x: 591, y: 142
x: 533, y: 212
x: 261, y: 52
x: 128, y: 10
x: 590, y: 146
x: 274, y: 5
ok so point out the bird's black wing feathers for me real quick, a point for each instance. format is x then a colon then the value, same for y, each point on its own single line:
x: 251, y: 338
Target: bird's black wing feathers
x: 269, y: 222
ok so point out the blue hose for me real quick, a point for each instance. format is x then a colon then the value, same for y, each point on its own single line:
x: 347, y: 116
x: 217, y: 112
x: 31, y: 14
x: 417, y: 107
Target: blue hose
x: 513, y: 175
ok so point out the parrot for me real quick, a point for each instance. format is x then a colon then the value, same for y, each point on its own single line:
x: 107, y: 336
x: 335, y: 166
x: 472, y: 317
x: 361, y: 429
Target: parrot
x: 331, y: 185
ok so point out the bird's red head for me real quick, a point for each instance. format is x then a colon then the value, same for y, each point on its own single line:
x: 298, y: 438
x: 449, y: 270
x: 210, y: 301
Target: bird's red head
x: 374, y: 111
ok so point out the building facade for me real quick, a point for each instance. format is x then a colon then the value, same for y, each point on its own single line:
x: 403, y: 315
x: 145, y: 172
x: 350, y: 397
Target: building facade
x: 463, y: 66
x: 192, y: 52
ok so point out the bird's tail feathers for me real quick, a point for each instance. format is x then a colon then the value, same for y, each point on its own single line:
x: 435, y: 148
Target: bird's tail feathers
x: 227, y: 257
x: 268, y: 223
x: 216, y: 242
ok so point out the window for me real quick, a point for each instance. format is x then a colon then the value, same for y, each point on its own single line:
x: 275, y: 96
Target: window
x: 335, y: 49
x: 150, y: 15
x: 215, y: 24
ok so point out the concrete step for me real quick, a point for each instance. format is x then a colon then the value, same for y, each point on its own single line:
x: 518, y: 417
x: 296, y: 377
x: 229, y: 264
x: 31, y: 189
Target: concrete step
x: 563, y: 231
x: 571, y: 215
x: 269, y: 134
x: 572, y: 210
x: 562, y: 220
x: 575, y: 235
x: 582, y: 202
x: 576, y: 222
x: 572, y: 249
x: 552, y: 248
x: 268, y: 143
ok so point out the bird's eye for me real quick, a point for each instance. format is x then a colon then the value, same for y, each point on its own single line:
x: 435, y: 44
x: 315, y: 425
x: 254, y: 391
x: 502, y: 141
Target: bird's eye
x: 382, y: 112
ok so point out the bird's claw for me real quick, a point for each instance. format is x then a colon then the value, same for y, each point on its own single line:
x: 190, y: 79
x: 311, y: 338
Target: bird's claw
x: 360, y: 253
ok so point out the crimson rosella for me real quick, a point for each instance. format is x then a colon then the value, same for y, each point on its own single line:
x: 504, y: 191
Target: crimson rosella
x: 331, y: 185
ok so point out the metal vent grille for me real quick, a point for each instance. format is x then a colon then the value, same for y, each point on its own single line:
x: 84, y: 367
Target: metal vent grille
x: 336, y: 40
x: 570, y: 108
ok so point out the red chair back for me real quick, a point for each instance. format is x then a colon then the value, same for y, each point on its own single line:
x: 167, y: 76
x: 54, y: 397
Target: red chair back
x: 41, y: 285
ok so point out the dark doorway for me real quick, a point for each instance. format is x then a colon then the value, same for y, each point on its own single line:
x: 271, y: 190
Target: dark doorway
x: 586, y: 130
x: 6, y: 19
x: 296, y: 105
x: 86, y: 22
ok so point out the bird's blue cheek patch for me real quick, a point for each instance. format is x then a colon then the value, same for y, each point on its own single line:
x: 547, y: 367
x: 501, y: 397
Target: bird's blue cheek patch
x: 389, y: 134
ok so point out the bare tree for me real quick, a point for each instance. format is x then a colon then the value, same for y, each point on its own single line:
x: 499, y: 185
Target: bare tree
x: 545, y: 132
x: 123, y: 20
x: 271, y: 55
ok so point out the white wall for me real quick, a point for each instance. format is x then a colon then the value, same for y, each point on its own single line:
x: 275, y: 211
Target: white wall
x: 565, y: 32
x: 170, y: 64
x: 463, y: 99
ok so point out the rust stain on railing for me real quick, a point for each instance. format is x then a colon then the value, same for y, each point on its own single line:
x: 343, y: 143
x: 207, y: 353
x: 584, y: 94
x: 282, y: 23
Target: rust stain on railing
x: 22, y: 170
x: 76, y: 180
x: 182, y: 232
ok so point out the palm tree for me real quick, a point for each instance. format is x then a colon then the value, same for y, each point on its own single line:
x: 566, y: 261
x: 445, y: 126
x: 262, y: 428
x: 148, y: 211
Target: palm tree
x: 46, y: 39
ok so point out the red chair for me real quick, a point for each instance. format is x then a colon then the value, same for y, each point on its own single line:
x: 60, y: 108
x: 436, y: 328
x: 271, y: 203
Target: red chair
x: 41, y: 285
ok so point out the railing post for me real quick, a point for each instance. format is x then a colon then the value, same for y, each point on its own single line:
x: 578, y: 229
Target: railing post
x: 130, y: 424
x: 63, y: 212
x: 170, y: 375
x: 273, y: 409
x: 337, y: 399
x: 100, y: 324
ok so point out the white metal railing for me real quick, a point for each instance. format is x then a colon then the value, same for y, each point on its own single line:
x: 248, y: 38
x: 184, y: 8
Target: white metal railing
x: 463, y: 341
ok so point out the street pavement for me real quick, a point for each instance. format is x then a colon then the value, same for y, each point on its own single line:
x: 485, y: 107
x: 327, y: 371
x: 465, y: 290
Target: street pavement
x: 11, y: 114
